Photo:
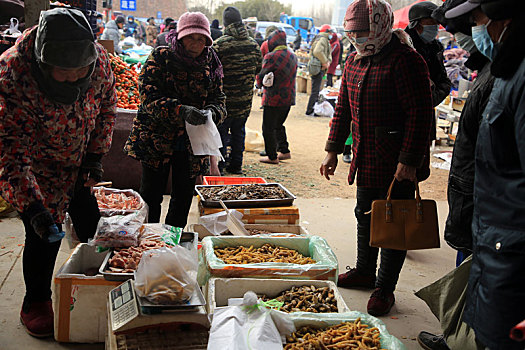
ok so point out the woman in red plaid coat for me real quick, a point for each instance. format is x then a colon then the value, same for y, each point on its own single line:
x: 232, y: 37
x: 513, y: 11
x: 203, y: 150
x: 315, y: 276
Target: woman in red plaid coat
x: 385, y: 101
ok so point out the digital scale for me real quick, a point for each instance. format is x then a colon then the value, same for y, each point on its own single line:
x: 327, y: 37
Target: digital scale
x: 132, y: 319
x: 123, y: 305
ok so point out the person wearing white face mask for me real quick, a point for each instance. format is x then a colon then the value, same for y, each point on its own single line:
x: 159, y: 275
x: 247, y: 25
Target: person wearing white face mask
x: 385, y: 102
x: 495, y: 299
x: 423, y: 30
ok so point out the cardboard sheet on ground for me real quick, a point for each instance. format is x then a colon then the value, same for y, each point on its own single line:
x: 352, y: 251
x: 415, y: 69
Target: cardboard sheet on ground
x: 446, y: 299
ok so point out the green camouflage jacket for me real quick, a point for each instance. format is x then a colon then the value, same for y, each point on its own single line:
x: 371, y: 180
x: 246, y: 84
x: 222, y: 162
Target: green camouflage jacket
x: 241, y: 60
x: 165, y: 83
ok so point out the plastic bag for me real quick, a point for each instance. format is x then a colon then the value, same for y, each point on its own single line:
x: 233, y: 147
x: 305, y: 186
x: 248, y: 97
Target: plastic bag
x: 268, y: 79
x: 161, y: 232
x: 13, y: 29
x: 167, y: 276
x: 303, y: 319
x: 253, y: 142
x: 250, y: 326
x: 217, y: 223
x: 205, y: 138
x: 71, y: 234
x: 324, y: 109
x: 112, y: 201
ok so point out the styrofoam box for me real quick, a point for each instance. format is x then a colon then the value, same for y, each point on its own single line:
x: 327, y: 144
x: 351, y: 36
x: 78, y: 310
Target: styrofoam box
x: 220, y: 289
x: 275, y: 228
x: 79, y: 300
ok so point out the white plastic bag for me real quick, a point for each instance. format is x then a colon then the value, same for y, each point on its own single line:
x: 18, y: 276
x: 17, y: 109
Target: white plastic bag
x: 13, y: 28
x: 268, y: 79
x: 254, y: 141
x: 205, y: 138
x: 324, y: 109
x: 250, y: 326
x: 217, y: 223
x: 167, y: 275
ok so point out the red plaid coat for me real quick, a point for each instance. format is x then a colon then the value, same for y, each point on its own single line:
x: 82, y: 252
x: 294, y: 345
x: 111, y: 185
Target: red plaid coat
x: 386, y: 101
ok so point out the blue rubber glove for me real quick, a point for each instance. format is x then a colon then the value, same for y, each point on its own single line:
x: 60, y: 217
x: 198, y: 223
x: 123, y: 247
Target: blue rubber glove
x: 43, y: 223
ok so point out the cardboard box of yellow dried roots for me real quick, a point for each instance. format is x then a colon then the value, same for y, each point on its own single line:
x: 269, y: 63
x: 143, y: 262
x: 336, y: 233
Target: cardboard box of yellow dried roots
x: 167, y: 276
x: 269, y: 256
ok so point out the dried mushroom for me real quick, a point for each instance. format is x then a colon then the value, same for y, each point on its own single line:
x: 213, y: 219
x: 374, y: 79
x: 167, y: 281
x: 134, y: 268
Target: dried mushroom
x: 307, y: 298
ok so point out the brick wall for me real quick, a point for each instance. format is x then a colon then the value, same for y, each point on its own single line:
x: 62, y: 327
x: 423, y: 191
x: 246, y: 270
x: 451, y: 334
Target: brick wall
x: 149, y: 8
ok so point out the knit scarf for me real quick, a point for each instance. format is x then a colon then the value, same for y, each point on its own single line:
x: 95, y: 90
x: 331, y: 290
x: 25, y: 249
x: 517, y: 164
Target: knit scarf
x: 381, y: 19
x: 280, y: 47
x: 207, y: 57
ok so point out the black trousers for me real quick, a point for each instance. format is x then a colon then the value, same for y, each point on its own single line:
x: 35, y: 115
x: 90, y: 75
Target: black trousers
x: 329, y: 79
x: 317, y: 80
x: 39, y: 257
x: 153, y: 184
x: 274, y: 132
x: 391, y: 260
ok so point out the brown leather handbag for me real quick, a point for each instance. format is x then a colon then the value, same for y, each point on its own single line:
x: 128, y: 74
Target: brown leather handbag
x: 404, y: 224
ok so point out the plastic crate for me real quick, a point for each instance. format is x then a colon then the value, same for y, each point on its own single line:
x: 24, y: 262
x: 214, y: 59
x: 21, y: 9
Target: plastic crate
x: 224, y: 180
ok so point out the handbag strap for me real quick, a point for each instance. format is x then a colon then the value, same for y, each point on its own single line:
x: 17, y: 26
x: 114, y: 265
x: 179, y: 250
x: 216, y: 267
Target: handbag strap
x: 388, y: 203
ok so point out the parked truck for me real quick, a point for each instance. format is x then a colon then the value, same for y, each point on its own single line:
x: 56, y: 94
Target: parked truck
x: 304, y: 24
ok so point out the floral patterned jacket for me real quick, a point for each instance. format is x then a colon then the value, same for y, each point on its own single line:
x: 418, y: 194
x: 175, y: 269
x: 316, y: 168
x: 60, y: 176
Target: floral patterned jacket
x: 165, y: 84
x: 42, y: 143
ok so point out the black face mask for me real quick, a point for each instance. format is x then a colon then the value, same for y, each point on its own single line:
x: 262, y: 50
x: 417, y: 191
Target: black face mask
x: 62, y: 92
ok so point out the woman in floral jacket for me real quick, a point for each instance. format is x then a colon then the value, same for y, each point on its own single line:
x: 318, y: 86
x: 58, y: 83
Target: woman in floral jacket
x: 57, y: 111
x: 178, y: 84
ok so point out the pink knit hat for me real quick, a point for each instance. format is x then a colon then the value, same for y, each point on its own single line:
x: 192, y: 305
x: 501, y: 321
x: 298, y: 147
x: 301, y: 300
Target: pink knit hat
x: 194, y: 23
x: 357, y: 16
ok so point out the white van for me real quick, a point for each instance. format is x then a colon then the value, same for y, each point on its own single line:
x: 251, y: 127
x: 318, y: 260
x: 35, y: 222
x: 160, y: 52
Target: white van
x: 288, y: 29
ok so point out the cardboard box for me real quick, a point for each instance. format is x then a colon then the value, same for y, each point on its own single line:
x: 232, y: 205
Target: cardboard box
x: 220, y: 289
x: 325, y: 320
x: 325, y: 267
x: 109, y: 45
x: 458, y: 103
x: 308, y: 86
x: 274, y: 228
x: 301, y: 84
x: 276, y: 215
x: 79, y: 300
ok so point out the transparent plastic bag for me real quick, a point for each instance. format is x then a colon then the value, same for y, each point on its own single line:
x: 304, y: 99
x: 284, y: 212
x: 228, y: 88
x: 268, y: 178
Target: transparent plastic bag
x: 161, y: 232
x: 167, y: 276
x: 123, y: 212
x: 13, y: 28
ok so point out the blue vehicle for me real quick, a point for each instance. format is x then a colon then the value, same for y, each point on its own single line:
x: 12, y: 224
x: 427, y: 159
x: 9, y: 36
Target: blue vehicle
x: 304, y: 24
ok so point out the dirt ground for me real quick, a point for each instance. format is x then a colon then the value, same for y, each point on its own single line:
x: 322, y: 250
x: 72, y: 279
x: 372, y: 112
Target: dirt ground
x: 307, y: 137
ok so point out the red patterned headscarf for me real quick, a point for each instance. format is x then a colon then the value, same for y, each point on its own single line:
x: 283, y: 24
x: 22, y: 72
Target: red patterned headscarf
x: 380, y: 18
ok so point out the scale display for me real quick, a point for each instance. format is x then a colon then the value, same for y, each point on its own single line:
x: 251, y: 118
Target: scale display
x: 123, y: 304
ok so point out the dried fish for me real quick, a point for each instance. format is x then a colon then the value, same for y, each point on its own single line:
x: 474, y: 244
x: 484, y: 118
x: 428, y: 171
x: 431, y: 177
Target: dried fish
x: 266, y: 253
x: 242, y: 192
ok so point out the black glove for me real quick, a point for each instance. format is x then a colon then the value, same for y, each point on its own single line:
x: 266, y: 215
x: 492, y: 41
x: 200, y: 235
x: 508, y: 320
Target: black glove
x: 192, y: 115
x: 91, y: 167
x: 43, y: 223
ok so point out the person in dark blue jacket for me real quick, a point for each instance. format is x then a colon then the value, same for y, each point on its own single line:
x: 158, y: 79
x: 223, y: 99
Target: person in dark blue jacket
x: 496, y: 288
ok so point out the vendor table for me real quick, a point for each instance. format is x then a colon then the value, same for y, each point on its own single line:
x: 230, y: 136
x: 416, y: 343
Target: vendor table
x: 452, y: 116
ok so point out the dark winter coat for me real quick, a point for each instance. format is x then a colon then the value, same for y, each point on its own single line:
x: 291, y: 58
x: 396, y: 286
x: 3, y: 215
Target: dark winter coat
x: 385, y: 100
x: 283, y: 64
x: 241, y: 61
x: 496, y: 288
x: 433, y: 55
x: 165, y: 84
x: 458, y: 228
